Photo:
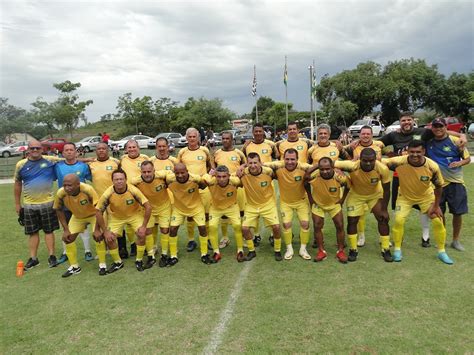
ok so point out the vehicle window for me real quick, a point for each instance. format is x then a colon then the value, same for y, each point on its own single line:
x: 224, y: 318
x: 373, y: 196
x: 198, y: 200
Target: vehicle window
x: 360, y: 123
x: 175, y: 135
x: 376, y: 123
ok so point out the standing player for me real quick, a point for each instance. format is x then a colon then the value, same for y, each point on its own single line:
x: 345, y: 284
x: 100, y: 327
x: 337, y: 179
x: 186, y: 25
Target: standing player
x: 301, y: 145
x: 162, y: 160
x: 102, y: 168
x: 324, y: 147
x: 417, y: 174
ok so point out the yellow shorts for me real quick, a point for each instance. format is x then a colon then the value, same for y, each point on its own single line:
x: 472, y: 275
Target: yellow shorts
x: 79, y: 225
x: 205, y: 198
x: 178, y: 217
x: 357, y: 205
x: 404, y: 206
x: 321, y: 211
x: 301, y: 207
x: 241, y: 198
x: 268, y: 212
x: 116, y: 225
x: 160, y: 216
x: 232, y: 213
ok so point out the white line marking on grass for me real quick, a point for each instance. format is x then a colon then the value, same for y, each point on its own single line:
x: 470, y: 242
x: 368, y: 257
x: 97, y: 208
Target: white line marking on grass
x: 217, y: 334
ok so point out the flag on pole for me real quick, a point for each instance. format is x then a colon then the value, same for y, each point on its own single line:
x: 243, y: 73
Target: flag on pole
x: 313, y: 83
x: 285, y: 74
x: 254, y: 84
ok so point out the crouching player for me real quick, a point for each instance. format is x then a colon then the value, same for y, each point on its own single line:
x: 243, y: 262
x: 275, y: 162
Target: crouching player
x: 123, y: 203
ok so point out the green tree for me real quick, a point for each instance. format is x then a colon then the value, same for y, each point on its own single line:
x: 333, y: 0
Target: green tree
x: 264, y: 103
x: 456, y: 95
x: 276, y: 115
x: 340, y: 111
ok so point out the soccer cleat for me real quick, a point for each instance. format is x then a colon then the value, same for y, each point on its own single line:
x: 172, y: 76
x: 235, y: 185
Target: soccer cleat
x: 150, y: 262
x: 425, y: 243
x: 114, y: 267
x: 62, y: 259
x: 72, y: 271
x: 123, y: 253
x: 52, y: 261
x: 352, y: 255
x: 271, y: 240
x: 304, y: 253
x: 397, y: 256
x: 102, y: 271
x: 172, y: 261
x: 387, y: 256
x: 445, y: 258
x: 257, y: 239
x: 278, y: 256
x: 289, y: 252
x: 223, y: 243
x: 216, y: 257
x: 361, y: 240
x: 240, y: 256
x: 191, y: 246
x: 163, y: 260
x: 88, y: 256
x: 341, y: 256
x: 133, y: 249
x: 206, y: 259
x: 456, y: 244
x: 31, y: 263
x: 321, y: 255
x: 250, y: 255
x: 139, y: 265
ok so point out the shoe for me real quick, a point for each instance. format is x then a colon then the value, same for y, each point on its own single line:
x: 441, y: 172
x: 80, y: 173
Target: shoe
x: 387, y: 256
x: 397, y: 256
x: 62, y: 259
x: 341, y: 256
x: 289, y: 252
x: 31, y: 263
x: 256, y: 240
x: 115, y: 267
x: 88, y: 256
x: 352, y: 255
x: 278, y: 256
x: 102, y: 271
x: 123, y: 253
x: 250, y: 255
x: 150, y: 262
x: 361, y: 240
x: 206, y: 259
x: 320, y: 256
x: 240, y: 256
x: 425, y: 243
x: 456, y: 244
x: 223, y: 243
x: 315, y: 244
x: 445, y: 258
x: 304, y: 254
x: 139, y: 265
x: 52, y: 261
x: 216, y: 257
x: 172, y: 261
x: 72, y: 271
x: 133, y: 249
x: 163, y: 260
x: 191, y: 246
x: 271, y: 240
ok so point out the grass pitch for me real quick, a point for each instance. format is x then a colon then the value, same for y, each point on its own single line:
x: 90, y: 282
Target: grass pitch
x: 417, y: 306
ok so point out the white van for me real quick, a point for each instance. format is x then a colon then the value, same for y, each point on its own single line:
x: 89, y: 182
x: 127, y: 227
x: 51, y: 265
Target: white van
x: 377, y: 127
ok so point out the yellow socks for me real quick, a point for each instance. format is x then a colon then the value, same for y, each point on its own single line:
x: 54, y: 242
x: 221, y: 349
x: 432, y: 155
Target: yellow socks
x: 173, y: 243
x: 100, y: 250
x: 352, y: 238
x: 361, y: 225
x: 239, y: 240
x: 250, y: 245
x: 150, y: 245
x: 71, y: 252
x: 277, y: 245
x: 164, y: 240
x: 213, y: 236
x: 439, y: 232
x: 115, y: 255
x: 385, y: 242
x: 154, y: 232
x: 287, y: 236
x: 304, y: 236
x: 140, y: 252
x: 397, y: 232
x: 203, y: 245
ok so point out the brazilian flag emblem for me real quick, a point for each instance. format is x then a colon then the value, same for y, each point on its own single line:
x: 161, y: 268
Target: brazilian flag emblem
x: 108, y: 167
x: 43, y: 165
x: 83, y: 202
x: 263, y: 183
x: 200, y: 157
x: 130, y: 201
x: 264, y: 151
x: 424, y: 178
x: 297, y: 178
x: 350, y: 208
x: 158, y: 188
x: 167, y: 167
x: 191, y: 190
x: 332, y: 154
x: 233, y: 158
x: 229, y: 194
x: 299, y: 147
x: 332, y: 189
x: 447, y: 149
x: 374, y: 180
x: 139, y: 164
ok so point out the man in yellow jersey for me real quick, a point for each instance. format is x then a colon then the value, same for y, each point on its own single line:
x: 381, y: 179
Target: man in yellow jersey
x: 232, y: 158
x: 324, y: 193
x: 130, y: 163
x: 162, y: 160
x: 368, y: 190
x: 324, y: 147
x: 153, y: 185
x: 416, y: 175
x: 124, y: 204
x: 80, y: 199
x: 223, y: 188
x: 102, y: 168
x: 290, y: 174
x: 197, y: 160
x: 294, y: 141
x: 187, y: 204
x: 260, y: 202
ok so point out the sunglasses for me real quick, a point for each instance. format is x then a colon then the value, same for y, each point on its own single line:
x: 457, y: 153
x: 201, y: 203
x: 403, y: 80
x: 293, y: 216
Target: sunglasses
x: 438, y: 125
x: 34, y: 148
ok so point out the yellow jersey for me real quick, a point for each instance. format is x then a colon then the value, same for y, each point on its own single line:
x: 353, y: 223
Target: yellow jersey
x: 164, y: 164
x: 82, y: 205
x: 301, y: 145
x: 326, y: 192
x: 265, y: 150
x: 377, y: 146
x: 101, y: 172
x: 122, y: 205
x: 291, y: 183
x: 317, y: 152
x: 132, y: 166
x: 222, y: 197
x: 196, y: 160
x: 233, y: 159
x: 258, y: 188
x: 186, y: 195
x: 156, y: 190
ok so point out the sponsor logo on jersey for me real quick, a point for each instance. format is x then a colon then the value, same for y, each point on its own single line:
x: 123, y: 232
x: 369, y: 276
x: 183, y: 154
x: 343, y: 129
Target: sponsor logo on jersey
x: 83, y: 202
x: 130, y: 202
x: 263, y: 183
x: 424, y: 178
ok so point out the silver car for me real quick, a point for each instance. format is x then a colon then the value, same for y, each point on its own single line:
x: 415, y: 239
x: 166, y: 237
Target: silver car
x: 13, y: 149
x: 172, y: 137
x: 89, y: 143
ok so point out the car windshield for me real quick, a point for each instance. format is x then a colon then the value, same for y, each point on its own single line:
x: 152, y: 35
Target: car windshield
x: 86, y: 139
x: 396, y: 123
x: 360, y: 123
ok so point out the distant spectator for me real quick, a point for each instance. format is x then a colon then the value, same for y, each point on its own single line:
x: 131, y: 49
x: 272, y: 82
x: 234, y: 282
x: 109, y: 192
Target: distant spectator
x: 105, y: 138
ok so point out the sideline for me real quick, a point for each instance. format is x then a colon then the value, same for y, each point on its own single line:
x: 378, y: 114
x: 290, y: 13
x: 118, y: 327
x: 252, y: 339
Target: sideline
x: 6, y: 181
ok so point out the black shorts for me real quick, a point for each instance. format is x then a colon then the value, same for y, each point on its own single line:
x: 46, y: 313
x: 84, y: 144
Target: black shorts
x: 40, y: 217
x: 455, y: 195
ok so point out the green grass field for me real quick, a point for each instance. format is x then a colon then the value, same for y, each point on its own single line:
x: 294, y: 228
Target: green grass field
x: 417, y: 306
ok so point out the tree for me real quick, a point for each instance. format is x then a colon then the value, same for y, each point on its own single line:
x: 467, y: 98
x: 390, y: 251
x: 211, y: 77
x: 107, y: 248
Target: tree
x: 13, y: 119
x: 275, y: 115
x: 264, y: 103
x: 340, y: 111
x: 456, y: 95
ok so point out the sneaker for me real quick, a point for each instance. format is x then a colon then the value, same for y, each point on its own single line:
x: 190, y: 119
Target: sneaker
x: 315, y: 244
x: 123, y: 253
x: 456, y: 244
x: 72, y: 271
x: 102, y: 271
x: 425, y: 243
x: 139, y: 265
x: 304, y: 253
x: 397, y: 256
x: 445, y: 258
x: 206, y: 259
x: 150, y: 262
x: 88, y: 256
x: 115, y: 267
x: 223, y: 243
x: 341, y: 256
x: 257, y: 240
x: 240, y: 256
x: 271, y: 240
x: 289, y: 252
x: 278, y: 256
x: 320, y: 256
x: 352, y: 255
x: 387, y: 255
x: 250, y: 255
x: 163, y: 260
x: 52, y: 261
x: 172, y: 261
x: 31, y: 263
x: 191, y: 246
x: 216, y: 257
x: 361, y: 240
x: 133, y: 249
x: 62, y: 259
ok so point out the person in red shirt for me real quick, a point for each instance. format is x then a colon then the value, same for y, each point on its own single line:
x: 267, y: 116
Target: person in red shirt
x: 105, y: 138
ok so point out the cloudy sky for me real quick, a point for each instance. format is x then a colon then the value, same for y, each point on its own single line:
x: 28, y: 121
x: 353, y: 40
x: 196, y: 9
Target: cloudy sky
x: 179, y: 49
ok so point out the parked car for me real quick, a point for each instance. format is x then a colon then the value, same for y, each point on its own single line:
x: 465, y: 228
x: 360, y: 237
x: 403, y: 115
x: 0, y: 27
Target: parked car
x: 172, y: 137
x: 395, y: 126
x: 141, y: 140
x: 53, y: 144
x: 242, y: 137
x: 16, y: 148
x: 182, y: 142
x: 470, y: 130
x: 453, y: 124
x: 377, y: 127
x: 89, y: 144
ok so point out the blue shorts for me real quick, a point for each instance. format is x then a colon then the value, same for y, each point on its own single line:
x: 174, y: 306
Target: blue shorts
x: 455, y: 195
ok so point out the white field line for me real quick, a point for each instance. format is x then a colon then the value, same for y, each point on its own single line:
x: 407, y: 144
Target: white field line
x: 218, y: 332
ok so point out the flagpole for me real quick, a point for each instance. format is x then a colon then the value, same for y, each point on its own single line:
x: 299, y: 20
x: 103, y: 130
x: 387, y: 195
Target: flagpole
x: 254, y: 91
x: 311, y: 68
x: 256, y: 109
x: 285, y: 80
x: 314, y: 92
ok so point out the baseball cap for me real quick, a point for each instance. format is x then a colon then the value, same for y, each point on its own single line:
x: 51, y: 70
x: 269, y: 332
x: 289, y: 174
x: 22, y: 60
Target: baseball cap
x: 438, y: 121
